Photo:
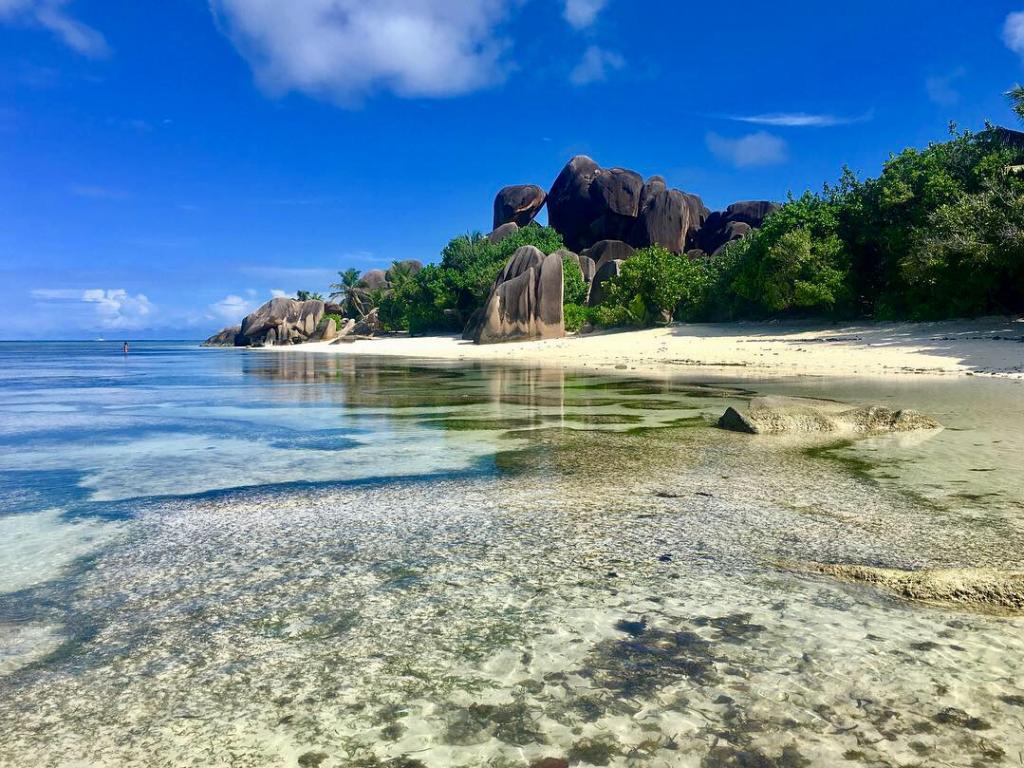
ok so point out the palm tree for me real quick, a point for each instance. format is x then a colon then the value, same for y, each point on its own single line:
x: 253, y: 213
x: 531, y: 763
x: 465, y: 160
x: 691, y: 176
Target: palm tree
x: 349, y: 290
x: 308, y: 296
x: 400, y: 274
x: 1016, y: 97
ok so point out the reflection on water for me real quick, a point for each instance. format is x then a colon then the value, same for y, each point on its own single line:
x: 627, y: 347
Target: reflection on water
x: 308, y: 560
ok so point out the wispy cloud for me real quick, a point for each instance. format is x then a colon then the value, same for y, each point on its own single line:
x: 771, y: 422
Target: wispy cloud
x: 231, y: 308
x: 97, y: 192
x: 755, y: 149
x: 109, y: 308
x: 800, y: 119
x: 582, y: 13
x: 51, y: 15
x: 941, y: 88
x: 595, y: 66
x: 343, y: 50
x: 1013, y: 32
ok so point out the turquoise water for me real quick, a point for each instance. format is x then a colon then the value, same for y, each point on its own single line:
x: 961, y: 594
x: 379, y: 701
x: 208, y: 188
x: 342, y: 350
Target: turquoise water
x: 219, y: 557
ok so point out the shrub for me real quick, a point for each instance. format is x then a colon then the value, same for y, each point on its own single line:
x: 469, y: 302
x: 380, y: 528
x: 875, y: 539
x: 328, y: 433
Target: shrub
x: 576, y: 316
x: 652, y: 285
x: 575, y: 289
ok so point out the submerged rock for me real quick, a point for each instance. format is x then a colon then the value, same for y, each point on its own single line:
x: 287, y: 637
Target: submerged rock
x: 779, y: 416
x: 986, y: 589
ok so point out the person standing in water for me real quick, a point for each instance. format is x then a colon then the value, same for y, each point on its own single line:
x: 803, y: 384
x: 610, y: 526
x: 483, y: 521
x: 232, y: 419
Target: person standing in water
x: 125, y: 349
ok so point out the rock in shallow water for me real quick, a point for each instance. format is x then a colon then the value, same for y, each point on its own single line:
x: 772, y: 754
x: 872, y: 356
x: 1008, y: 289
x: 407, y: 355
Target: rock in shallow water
x: 771, y: 417
x: 986, y: 589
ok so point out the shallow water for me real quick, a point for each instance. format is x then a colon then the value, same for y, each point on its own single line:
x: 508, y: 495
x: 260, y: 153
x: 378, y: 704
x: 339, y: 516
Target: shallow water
x: 213, y: 557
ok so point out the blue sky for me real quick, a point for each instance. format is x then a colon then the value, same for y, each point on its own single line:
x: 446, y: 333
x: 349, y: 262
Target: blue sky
x: 166, y: 167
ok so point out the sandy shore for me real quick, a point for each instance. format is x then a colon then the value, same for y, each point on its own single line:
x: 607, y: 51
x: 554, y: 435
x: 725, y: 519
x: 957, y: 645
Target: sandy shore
x: 991, y: 346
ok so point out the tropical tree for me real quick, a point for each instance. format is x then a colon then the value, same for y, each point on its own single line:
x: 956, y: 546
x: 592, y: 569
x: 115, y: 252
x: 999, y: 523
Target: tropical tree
x: 308, y: 296
x: 1016, y: 98
x: 350, y: 291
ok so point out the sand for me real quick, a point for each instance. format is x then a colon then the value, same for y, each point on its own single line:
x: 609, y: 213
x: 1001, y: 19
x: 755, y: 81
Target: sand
x: 990, y: 346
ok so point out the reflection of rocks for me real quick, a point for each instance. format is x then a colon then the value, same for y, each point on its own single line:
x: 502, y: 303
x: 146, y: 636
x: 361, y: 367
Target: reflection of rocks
x: 281, y: 321
x: 526, y: 300
x: 774, y: 416
x: 985, y: 589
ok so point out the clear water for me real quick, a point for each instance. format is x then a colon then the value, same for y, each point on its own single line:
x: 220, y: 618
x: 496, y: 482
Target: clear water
x: 217, y: 557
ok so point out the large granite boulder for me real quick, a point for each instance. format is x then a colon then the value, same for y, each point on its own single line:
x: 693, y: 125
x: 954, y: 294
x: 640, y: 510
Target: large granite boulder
x: 500, y: 233
x: 375, y: 280
x: 519, y: 203
x: 664, y: 221
x: 588, y: 204
x: 281, y: 321
x: 224, y: 338
x: 586, y: 266
x: 570, y: 207
x: 526, y: 300
x: 734, y: 223
x: 608, y: 250
x: 607, y: 271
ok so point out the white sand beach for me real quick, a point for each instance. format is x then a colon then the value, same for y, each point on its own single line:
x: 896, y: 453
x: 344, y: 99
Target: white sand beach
x: 989, y: 346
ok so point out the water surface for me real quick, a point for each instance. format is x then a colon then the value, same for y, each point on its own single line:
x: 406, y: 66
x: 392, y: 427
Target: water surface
x: 217, y: 557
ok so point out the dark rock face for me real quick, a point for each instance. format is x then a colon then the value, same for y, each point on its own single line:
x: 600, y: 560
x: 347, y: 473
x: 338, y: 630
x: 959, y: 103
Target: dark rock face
x: 734, y: 223
x: 224, y: 338
x: 608, y: 250
x: 607, y: 271
x: 519, y: 204
x: 588, y: 204
x: 526, y: 300
x: 281, y: 321
x: 368, y: 324
x: 570, y: 208
x: 665, y: 221
x: 500, y: 233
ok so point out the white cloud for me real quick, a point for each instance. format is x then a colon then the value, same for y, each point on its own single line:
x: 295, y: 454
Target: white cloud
x: 108, y: 309
x: 231, y: 308
x: 345, y: 49
x: 583, y: 13
x: 50, y: 15
x: 941, y: 90
x: 595, y: 66
x: 1013, y: 32
x: 800, y: 119
x: 277, y: 293
x: 754, y: 149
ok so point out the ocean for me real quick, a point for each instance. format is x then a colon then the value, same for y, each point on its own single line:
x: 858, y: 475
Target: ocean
x: 229, y: 557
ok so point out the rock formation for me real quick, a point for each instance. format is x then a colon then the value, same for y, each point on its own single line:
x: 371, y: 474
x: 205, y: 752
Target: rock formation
x: 608, y: 250
x: 518, y: 204
x: 224, y: 338
x: 526, y: 300
x: 735, y: 222
x: 607, y: 271
x: 281, y: 321
x: 983, y: 589
x: 774, y: 416
x: 500, y: 233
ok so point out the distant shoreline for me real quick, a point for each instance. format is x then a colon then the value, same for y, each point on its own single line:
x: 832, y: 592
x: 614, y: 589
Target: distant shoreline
x: 991, y: 347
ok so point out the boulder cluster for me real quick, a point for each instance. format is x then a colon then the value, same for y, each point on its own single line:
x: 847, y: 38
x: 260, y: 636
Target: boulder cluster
x: 525, y: 302
x: 603, y: 216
